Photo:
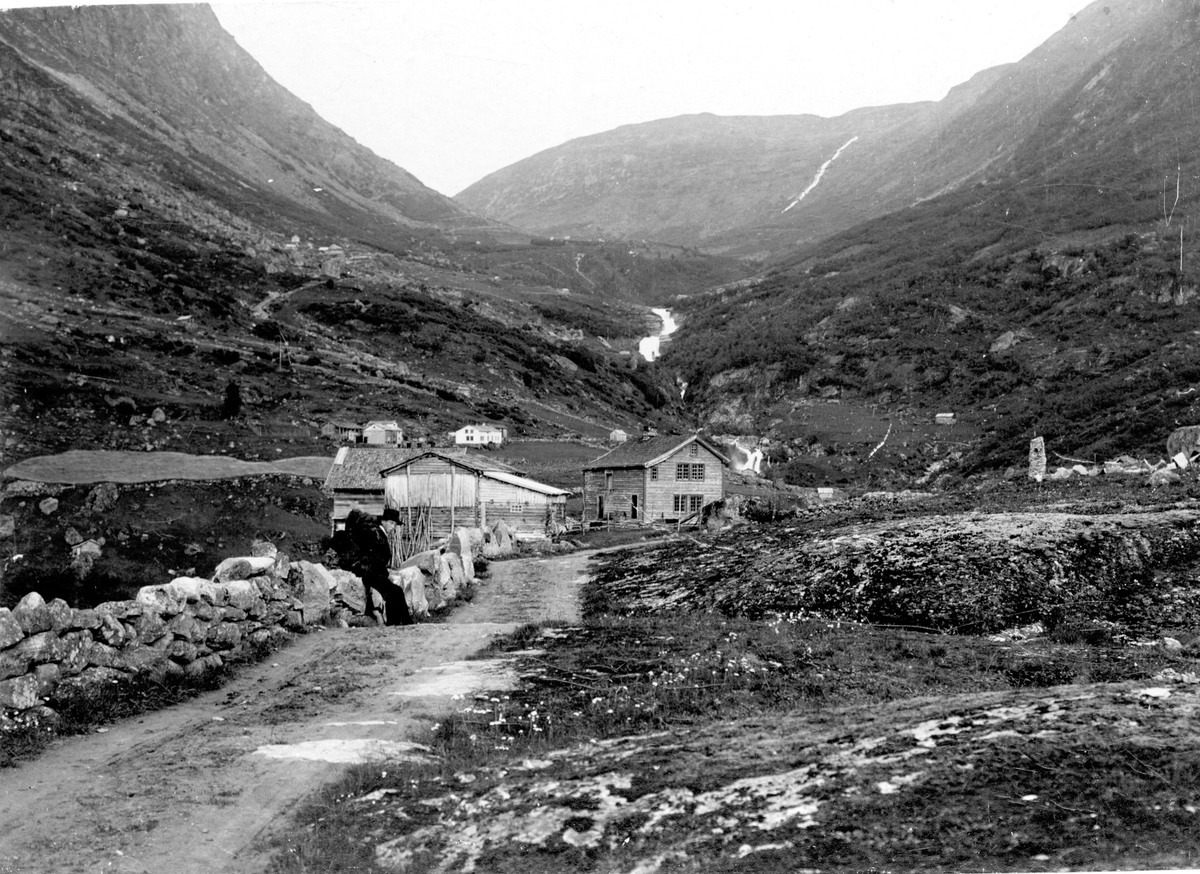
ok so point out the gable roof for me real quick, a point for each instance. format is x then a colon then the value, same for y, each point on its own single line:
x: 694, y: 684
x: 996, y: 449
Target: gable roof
x: 358, y: 467
x: 472, y: 462
x: 649, y: 452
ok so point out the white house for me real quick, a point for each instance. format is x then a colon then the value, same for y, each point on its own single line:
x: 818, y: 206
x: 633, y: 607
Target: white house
x: 478, y: 435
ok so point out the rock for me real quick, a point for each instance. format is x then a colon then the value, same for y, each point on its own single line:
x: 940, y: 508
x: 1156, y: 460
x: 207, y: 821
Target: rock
x: 159, y: 415
x: 162, y: 599
x: 39, y: 648
x: 447, y: 582
x: 1164, y: 476
x: 19, y: 693
x: 1037, y: 458
x: 186, y: 627
x: 86, y: 618
x: 243, y: 567
x: 60, y: 615
x: 10, y: 629
x: 32, y: 614
x: 1081, y: 470
x: 191, y: 590
x: 48, y: 506
x: 102, y: 498
x: 347, y: 589
x: 76, y: 651
x: 1060, y: 473
x: 111, y: 631
x: 137, y: 658
x: 312, y: 584
x: 460, y: 545
x: 72, y: 536
x: 502, y: 536
x: 182, y: 651
x: 47, y: 677
x: 14, y: 664
x: 412, y: 581
x: 149, y: 627
x: 1170, y: 644
x: 101, y: 655
x: 428, y: 561
x: 223, y: 636
x: 260, y: 548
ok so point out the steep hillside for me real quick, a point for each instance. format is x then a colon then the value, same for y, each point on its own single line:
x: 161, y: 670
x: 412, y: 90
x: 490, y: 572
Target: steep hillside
x: 175, y: 223
x: 757, y: 187
x: 1059, y: 298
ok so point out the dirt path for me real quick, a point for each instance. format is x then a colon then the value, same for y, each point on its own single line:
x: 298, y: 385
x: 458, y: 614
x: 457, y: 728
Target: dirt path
x: 196, y: 787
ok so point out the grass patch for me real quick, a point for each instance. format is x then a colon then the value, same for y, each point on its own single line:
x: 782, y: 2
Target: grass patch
x: 617, y: 676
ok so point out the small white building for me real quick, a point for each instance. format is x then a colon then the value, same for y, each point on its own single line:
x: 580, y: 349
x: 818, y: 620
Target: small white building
x: 944, y: 419
x: 617, y: 436
x: 478, y: 435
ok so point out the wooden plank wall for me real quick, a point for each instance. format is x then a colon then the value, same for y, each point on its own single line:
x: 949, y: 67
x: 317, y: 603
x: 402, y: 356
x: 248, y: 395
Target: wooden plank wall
x: 660, y: 501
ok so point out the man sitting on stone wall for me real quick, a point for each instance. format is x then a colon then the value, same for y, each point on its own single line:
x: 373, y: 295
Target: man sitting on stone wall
x: 364, y: 548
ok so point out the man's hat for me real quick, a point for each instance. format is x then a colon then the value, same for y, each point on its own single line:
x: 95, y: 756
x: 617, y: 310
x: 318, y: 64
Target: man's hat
x: 391, y: 514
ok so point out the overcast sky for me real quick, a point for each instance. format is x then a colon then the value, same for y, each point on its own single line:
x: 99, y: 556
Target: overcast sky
x: 452, y: 90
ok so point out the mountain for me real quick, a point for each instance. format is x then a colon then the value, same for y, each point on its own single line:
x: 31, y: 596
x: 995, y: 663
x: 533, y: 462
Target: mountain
x: 1057, y: 294
x: 758, y: 186
x: 175, y: 222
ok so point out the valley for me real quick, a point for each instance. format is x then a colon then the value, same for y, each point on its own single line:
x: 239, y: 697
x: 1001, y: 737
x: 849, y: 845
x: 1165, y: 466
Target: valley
x: 892, y: 643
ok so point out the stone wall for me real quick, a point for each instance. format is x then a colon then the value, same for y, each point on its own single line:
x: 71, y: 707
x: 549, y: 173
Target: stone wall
x: 186, y: 627
x: 192, y: 625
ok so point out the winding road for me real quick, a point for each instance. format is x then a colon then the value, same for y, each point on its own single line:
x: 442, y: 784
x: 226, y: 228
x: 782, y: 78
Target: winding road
x: 200, y: 788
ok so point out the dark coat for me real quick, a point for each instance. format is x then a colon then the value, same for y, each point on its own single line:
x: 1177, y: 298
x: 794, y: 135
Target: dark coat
x: 363, y: 549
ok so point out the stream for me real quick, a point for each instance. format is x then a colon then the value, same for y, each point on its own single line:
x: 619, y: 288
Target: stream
x: 650, y: 347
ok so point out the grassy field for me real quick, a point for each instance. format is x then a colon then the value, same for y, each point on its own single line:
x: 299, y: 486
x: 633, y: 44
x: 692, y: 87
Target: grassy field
x: 688, y: 740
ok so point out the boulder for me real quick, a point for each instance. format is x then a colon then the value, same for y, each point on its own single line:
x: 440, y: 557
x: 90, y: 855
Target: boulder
x: 427, y: 562
x: 313, y: 584
x: 72, y: 536
x: 460, y: 545
x: 458, y: 573
x: 347, y: 589
x: 101, y: 655
x: 76, y: 651
x: 10, y: 630
x: 60, y: 615
x: 261, y: 548
x: 224, y: 636
x: 243, y: 595
x: 502, y: 536
x: 8, y: 525
x: 86, y: 618
x: 19, y: 693
x: 47, y: 677
x: 33, y: 614
x: 161, y: 599
x: 48, y: 506
x: 150, y: 626
x: 412, y: 581
x: 102, y: 498
x: 243, y: 567
x: 39, y: 648
x: 14, y: 664
x: 1164, y: 476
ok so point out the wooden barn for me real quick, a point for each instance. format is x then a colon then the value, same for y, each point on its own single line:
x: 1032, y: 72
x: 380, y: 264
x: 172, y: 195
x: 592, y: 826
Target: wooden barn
x: 655, y: 479
x: 354, y: 481
x: 457, y: 490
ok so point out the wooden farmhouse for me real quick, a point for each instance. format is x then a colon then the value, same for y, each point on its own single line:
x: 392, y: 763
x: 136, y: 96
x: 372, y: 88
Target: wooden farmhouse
x: 441, y: 491
x: 656, y: 479
x: 479, y: 435
x: 460, y: 491
x: 382, y: 433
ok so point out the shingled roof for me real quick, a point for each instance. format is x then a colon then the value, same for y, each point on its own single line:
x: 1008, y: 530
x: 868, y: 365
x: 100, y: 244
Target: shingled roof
x: 359, y: 468
x: 651, y: 451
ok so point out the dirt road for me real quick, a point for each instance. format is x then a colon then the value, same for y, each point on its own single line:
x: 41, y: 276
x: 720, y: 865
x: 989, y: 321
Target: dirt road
x: 194, y: 788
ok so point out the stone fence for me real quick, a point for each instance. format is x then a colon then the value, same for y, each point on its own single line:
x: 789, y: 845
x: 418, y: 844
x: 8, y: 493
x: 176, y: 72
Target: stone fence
x: 192, y: 625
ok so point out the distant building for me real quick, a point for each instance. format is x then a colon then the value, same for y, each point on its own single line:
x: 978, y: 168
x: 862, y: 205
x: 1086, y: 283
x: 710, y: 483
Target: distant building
x: 479, y: 435
x: 382, y: 433
x: 617, y: 436
x: 655, y: 479
x: 944, y: 419
x: 343, y: 430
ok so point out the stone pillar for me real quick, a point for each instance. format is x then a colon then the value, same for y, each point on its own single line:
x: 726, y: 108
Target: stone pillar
x: 1037, y: 459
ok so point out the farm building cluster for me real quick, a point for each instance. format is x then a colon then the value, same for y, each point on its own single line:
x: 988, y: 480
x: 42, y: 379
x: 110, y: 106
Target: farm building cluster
x: 657, y: 479
x: 387, y: 432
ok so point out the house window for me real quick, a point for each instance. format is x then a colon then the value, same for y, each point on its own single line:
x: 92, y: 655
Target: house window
x: 693, y: 450
x: 608, y: 479
x: 688, y: 503
x: 689, y: 472
x: 654, y: 474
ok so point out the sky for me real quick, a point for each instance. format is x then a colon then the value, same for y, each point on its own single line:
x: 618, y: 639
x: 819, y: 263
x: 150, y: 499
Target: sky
x: 452, y: 90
